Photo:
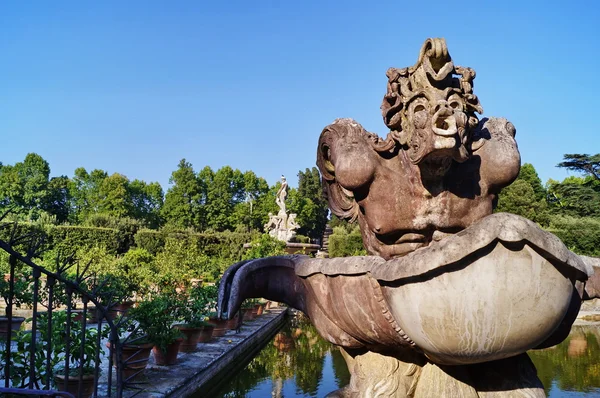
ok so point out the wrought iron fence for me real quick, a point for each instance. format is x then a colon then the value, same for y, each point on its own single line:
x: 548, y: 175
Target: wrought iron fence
x: 59, y: 350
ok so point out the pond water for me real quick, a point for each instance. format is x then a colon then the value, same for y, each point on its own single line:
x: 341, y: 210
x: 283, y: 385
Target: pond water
x: 299, y: 363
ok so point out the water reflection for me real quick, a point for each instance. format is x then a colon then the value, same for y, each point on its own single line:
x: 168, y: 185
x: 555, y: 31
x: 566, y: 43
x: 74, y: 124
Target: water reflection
x: 572, y: 368
x: 298, y: 363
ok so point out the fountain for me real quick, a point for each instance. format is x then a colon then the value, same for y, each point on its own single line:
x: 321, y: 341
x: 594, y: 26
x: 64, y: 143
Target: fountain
x: 283, y: 226
x: 451, y: 296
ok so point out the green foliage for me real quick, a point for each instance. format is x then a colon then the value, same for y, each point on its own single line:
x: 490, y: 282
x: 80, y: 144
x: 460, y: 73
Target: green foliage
x: 520, y: 198
x: 575, y: 196
x: 581, y: 235
x: 149, y: 240
x: 265, y: 246
x: 311, y: 206
x: 156, y: 316
x: 344, y: 244
x: 53, y: 343
x: 197, y: 302
x: 182, y: 201
x: 65, y: 238
x: 525, y: 197
x: 22, y: 288
x: 586, y: 164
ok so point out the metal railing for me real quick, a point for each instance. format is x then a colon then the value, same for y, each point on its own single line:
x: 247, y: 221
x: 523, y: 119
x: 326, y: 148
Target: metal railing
x: 62, y: 348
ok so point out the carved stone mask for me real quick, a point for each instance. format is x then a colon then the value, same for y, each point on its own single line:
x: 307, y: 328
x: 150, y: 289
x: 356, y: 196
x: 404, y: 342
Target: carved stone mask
x: 430, y: 107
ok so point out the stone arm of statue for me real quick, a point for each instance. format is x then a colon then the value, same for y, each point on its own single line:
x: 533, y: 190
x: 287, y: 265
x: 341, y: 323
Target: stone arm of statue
x: 494, y: 142
x: 272, y: 278
x: 347, y: 163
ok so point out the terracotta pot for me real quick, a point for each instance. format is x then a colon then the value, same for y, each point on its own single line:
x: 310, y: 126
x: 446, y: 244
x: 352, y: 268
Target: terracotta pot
x: 232, y: 323
x: 258, y: 309
x: 16, y: 322
x: 120, y: 309
x: 170, y: 356
x: 206, y: 334
x: 220, y: 326
x: 191, y: 339
x: 248, y: 313
x: 134, y: 357
x: 72, y: 385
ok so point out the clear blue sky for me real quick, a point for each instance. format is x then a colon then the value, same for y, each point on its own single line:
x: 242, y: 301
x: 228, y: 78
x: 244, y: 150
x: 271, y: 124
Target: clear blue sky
x: 134, y: 86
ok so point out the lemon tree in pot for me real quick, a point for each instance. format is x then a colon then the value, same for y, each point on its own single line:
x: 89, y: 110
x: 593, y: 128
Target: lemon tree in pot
x: 21, y: 295
x: 156, y: 317
x: 76, y: 373
x: 193, y: 312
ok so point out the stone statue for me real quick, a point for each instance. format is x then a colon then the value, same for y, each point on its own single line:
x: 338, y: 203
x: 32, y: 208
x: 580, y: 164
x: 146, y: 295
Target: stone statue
x: 282, y: 226
x: 282, y: 195
x: 451, y: 296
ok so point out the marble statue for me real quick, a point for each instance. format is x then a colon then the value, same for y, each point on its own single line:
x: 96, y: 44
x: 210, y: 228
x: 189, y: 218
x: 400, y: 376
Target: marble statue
x: 282, y: 226
x: 451, y: 296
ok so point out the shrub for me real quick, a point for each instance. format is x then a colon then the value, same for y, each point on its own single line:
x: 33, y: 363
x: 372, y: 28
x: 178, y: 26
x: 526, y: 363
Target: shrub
x: 580, y: 235
x: 265, y: 246
x: 344, y: 244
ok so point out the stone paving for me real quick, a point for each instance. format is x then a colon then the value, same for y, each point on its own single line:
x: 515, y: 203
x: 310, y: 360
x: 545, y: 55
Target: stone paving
x: 195, y: 370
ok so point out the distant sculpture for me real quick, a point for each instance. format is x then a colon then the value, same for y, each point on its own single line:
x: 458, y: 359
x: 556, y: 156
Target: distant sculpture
x: 282, y: 195
x: 282, y: 226
x: 452, y: 296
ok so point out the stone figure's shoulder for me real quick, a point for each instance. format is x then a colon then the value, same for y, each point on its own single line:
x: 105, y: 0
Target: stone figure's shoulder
x: 494, y: 142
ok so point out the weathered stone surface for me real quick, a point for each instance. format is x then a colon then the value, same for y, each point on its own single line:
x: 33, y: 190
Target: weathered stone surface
x: 451, y: 296
x: 439, y: 169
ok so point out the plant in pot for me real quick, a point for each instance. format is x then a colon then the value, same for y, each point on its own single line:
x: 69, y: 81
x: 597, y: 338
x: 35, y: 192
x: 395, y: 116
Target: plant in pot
x: 211, y: 293
x: 77, y: 371
x: 248, y: 309
x: 193, y: 311
x: 135, y: 348
x: 156, y: 317
x: 114, y: 292
x: 22, y: 294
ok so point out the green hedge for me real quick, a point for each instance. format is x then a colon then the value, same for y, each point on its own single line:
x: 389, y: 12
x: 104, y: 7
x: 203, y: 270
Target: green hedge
x: 580, y: 235
x: 68, y: 238
x: 224, y: 245
x: 65, y: 238
x: 344, y: 244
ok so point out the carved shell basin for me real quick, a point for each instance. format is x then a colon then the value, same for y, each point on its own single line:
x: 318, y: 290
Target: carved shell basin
x: 492, y: 291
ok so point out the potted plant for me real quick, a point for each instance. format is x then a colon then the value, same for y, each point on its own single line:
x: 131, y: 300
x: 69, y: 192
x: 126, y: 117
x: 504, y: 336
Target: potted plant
x: 156, y: 317
x: 79, y: 378
x: 21, y: 295
x: 135, y: 348
x: 193, y: 311
x: 221, y: 325
x: 248, y: 309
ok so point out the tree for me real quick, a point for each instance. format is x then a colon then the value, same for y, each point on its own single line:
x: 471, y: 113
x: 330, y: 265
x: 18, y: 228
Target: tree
x: 57, y: 201
x: 222, y: 194
x: 525, y: 197
x: 84, y: 190
x: 575, y: 196
x: 519, y: 198
x: 182, y: 201
x: 113, y: 196
x: 310, y: 205
x: 146, y: 202
x: 586, y: 164
x: 24, y: 186
x: 529, y: 174
x: 250, y: 214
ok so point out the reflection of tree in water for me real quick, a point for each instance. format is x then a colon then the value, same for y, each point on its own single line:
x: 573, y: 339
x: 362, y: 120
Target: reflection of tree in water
x: 296, y: 352
x: 340, y: 369
x: 573, y: 364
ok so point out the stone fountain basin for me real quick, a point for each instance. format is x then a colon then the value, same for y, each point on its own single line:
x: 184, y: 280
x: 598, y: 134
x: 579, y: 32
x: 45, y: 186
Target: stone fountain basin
x: 492, y: 291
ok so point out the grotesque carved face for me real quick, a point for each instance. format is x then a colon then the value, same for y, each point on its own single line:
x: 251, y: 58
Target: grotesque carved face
x: 430, y: 107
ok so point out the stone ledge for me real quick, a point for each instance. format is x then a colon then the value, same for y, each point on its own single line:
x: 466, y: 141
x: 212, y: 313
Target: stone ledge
x: 206, y: 367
